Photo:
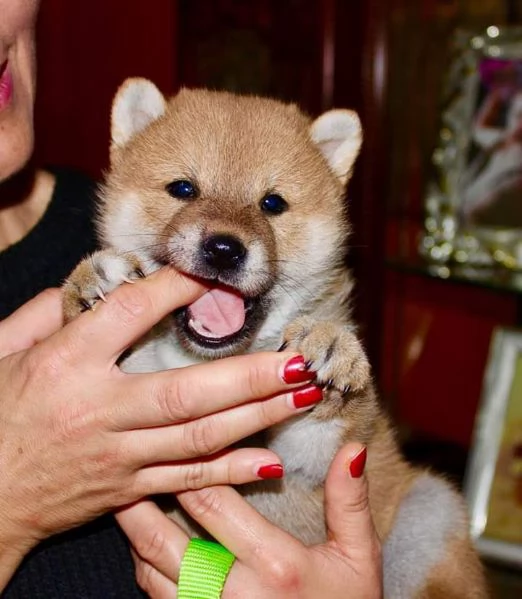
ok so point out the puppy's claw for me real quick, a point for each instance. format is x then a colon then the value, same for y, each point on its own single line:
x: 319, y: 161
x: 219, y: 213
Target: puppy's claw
x: 346, y: 390
x: 84, y: 305
x: 283, y: 346
x: 95, y: 277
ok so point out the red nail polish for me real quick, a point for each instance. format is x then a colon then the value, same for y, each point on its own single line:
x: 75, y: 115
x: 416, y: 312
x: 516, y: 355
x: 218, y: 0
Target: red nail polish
x: 358, y: 463
x: 295, y: 371
x: 308, y: 396
x: 271, y: 471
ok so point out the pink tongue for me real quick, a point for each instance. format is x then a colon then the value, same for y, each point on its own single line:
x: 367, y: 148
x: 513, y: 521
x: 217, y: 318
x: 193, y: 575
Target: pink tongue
x: 219, y: 312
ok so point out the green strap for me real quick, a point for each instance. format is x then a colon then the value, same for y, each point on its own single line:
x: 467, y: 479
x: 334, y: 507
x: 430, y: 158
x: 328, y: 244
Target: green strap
x: 204, y: 569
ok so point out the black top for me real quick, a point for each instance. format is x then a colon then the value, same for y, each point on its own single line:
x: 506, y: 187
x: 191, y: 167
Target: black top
x: 91, y: 562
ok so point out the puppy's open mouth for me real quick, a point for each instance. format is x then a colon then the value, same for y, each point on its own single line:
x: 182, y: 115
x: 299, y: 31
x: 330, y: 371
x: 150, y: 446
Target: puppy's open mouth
x: 221, y: 320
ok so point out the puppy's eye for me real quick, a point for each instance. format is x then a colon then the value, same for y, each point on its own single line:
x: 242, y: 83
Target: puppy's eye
x: 182, y: 189
x: 273, y: 204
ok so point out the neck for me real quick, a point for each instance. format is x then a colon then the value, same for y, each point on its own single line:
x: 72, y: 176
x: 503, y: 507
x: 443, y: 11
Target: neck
x: 23, y: 200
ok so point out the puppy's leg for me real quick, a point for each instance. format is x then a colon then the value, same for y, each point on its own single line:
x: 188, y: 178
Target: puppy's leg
x: 308, y: 442
x: 427, y: 554
x: 95, y: 277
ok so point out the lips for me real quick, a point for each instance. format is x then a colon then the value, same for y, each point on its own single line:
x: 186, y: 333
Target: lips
x: 6, y: 85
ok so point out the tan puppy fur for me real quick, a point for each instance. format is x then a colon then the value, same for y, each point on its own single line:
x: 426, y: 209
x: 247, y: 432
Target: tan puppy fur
x: 249, y: 193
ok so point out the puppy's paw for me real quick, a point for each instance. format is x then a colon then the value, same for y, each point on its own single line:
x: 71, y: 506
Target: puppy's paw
x: 95, y: 277
x: 332, y: 350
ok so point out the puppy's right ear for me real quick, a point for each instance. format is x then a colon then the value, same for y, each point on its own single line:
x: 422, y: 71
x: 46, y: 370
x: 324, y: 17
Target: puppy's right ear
x: 138, y: 102
x: 338, y: 135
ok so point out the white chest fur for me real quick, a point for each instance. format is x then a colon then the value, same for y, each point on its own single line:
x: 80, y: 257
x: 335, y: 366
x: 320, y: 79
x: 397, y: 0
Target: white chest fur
x: 307, y: 446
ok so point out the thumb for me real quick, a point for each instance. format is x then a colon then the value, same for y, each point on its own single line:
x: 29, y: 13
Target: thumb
x: 34, y: 321
x: 347, y: 509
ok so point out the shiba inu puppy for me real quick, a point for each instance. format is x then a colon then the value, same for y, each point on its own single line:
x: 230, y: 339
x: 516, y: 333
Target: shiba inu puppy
x: 248, y: 194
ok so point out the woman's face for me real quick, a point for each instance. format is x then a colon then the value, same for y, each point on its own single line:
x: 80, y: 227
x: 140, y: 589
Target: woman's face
x: 17, y: 83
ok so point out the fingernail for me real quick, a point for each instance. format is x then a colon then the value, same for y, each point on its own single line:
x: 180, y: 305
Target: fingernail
x: 307, y: 397
x: 271, y: 471
x: 358, y: 463
x: 295, y: 371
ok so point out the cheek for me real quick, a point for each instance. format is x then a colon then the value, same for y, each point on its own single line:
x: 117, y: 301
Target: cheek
x: 18, y: 18
x: 309, y: 245
x: 122, y: 222
x: 16, y: 141
x: 24, y: 13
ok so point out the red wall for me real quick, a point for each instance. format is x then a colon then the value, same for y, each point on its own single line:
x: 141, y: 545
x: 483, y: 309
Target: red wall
x: 85, y: 50
x: 436, y: 343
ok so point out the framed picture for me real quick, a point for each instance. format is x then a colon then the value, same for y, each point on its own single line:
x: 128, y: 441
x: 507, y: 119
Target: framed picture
x: 474, y: 200
x: 493, y: 484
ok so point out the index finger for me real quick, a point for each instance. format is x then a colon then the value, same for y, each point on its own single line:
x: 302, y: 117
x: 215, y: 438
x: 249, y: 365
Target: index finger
x: 129, y: 312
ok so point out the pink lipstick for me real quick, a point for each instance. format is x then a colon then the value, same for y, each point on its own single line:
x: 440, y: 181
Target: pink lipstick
x: 6, y: 85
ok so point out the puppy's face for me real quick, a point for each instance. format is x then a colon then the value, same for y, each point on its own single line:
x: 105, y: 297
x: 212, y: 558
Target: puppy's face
x: 245, y: 193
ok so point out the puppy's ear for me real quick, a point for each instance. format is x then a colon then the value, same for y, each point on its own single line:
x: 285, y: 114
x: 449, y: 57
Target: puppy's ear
x: 338, y: 134
x: 138, y: 102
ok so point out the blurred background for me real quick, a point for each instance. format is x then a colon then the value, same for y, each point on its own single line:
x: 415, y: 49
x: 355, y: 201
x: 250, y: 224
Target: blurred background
x: 427, y: 337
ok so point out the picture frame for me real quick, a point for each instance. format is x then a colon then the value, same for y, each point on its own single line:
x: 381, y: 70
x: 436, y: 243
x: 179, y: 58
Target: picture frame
x: 493, y: 481
x: 473, y: 202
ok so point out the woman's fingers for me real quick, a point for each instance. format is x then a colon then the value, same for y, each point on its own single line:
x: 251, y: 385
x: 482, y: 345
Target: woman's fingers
x: 153, y: 582
x: 347, y: 508
x: 155, y: 538
x: 207, y: 435
x: 188, y: 393
x: 130, y: 311
x: 231, y: 467
x: 34, y: 321
x: 239, y: 527
x: 270, y: 562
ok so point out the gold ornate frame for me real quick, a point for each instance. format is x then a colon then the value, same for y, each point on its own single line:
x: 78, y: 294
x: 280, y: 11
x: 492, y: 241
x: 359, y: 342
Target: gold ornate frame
x: 446, y: 239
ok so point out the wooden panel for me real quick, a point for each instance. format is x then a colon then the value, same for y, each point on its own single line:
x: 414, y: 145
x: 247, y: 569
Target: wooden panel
x: 85, y: 51
x: 435, y: 347
x: 267, y: 47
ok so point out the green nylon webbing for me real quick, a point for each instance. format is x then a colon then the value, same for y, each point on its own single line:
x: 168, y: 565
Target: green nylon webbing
x: 204, y: 569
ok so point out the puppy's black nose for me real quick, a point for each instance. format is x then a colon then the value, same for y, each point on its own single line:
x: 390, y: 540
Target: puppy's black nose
x: 223, y: 252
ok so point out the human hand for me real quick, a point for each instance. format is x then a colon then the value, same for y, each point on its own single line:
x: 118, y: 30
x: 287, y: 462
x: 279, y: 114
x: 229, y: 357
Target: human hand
x: 270, y: 563
x: 80, y: 437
